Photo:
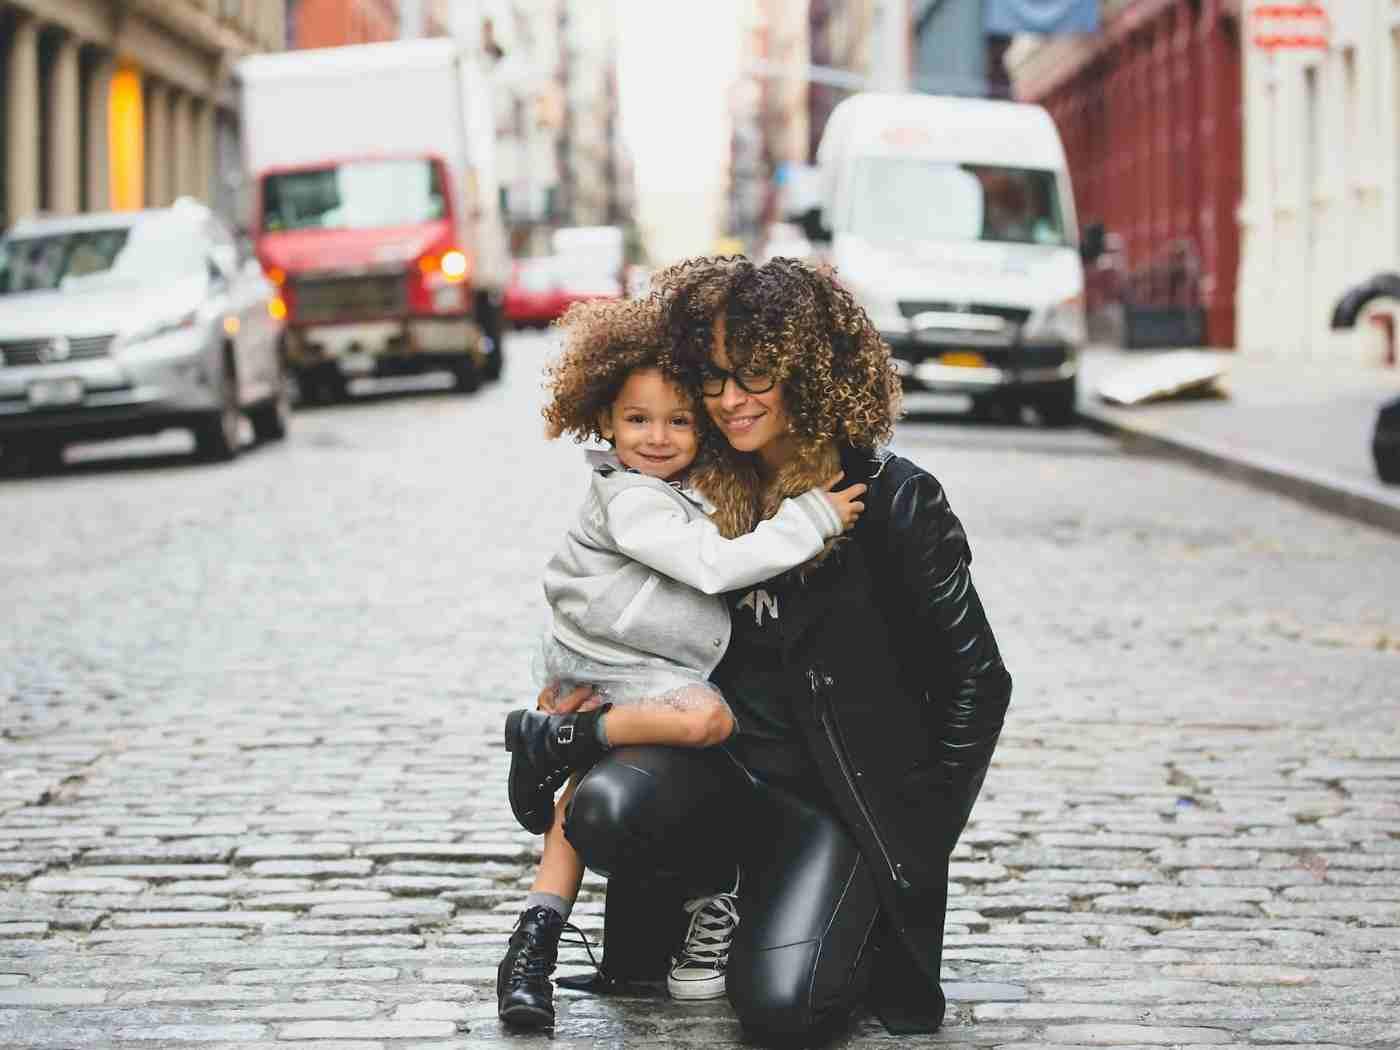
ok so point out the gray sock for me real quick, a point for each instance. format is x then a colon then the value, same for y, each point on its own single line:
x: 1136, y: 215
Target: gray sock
x: 552, y: 901
x: 600, y: 730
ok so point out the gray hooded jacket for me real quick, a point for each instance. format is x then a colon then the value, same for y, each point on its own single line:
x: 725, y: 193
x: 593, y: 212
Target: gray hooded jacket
x: 639, y: 572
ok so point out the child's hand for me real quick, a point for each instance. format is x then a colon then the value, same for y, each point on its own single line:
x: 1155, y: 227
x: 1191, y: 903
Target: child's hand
x: 580, y: 698
x: 846, y: 503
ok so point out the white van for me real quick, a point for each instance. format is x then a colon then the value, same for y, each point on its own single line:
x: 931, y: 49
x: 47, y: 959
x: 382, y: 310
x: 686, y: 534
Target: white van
x: 952, y: 222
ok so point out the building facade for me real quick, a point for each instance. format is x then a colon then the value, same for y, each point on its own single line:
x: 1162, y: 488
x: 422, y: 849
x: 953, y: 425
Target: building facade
x: 594, y: 168
x: 121, y: 105
x: 335, y: 23
x: 1321, y: 207
x: 519, y: 46
x: 1150, y: 112
x: 768, y: 112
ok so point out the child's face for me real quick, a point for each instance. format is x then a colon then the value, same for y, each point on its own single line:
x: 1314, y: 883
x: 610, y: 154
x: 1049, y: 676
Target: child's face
x: 652, y: 425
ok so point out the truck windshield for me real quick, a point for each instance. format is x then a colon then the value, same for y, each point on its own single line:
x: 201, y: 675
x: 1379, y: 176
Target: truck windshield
x: 354, y: 196
x: 909, y: 198
x: 155, y: 251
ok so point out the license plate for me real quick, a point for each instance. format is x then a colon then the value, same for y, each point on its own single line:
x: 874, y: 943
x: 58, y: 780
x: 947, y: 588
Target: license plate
x: 357, y: 364
x: 48, y: 393
x: 963, y: 359
x: 449, y: 298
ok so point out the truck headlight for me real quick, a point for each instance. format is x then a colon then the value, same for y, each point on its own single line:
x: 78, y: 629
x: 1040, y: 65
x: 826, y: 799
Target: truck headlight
x: 883, y: 313
x: 1061, y: 322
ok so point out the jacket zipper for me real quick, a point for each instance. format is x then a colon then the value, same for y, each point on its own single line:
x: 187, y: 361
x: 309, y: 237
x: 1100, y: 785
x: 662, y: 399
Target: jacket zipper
x: 823, y: 713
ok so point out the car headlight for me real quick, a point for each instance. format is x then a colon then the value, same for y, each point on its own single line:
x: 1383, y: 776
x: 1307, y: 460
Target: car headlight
x: 158, y: 329
x: 1061, y: 322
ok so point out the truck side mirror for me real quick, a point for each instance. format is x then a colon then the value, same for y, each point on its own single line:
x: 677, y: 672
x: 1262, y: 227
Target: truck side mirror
x: 812, y: 225
x: 1091, y: 241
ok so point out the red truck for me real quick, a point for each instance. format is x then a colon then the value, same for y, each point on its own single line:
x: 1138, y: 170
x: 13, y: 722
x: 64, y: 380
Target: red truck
x: 375, y: 211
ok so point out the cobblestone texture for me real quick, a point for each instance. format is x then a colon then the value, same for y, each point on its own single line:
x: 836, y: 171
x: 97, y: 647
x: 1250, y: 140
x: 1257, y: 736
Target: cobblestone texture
x: 251, y: 788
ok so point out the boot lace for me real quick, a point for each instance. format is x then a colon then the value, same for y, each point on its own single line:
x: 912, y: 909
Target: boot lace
x: 537, y: 960
x: 711, y: 931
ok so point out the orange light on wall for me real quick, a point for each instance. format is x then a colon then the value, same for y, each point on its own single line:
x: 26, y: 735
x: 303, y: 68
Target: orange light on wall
x: 126, y: 120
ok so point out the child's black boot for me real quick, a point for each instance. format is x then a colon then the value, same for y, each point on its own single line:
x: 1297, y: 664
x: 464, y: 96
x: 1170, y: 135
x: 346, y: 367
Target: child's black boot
x: 544, y: 750
x: 524, y: 993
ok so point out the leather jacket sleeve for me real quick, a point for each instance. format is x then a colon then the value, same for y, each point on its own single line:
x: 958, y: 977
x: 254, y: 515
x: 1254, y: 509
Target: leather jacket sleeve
x: 964, y: 682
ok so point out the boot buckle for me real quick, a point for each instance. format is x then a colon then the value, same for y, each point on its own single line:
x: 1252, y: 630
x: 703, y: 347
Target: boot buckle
x: 565, y: 735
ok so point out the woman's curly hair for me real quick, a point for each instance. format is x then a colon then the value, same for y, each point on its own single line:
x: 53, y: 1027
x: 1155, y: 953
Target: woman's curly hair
x: 798, y: 322
x: 605, y: 340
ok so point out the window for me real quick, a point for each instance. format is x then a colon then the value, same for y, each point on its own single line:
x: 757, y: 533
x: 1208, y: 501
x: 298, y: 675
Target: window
x: 896, y: 198
x: 359, y: 195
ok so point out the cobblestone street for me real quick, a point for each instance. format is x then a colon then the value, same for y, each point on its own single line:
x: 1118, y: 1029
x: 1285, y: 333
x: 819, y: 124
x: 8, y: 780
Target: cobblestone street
x: 252, y: 788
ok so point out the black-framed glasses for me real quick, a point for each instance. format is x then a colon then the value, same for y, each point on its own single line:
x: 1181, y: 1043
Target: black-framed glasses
x: 749, y: 379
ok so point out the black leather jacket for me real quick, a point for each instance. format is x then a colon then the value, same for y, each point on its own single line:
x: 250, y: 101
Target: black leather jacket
x: 908, y: 694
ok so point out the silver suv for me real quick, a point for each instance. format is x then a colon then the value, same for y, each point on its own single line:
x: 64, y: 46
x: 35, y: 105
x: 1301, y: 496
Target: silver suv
x: 130, y: 323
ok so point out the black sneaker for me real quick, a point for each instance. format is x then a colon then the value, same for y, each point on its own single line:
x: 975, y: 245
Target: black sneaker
x: 697, y: 970
x: 544, y: 750
x: 524, y: 992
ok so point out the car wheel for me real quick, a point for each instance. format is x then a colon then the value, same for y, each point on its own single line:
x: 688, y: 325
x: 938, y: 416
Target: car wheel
x: 1056, y: 407
x: 271, y: 418
x: 216, y: 436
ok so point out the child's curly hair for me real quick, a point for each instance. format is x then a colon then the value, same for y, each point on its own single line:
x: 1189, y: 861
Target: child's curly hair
x: 796, y: 321
x: 605, y: 340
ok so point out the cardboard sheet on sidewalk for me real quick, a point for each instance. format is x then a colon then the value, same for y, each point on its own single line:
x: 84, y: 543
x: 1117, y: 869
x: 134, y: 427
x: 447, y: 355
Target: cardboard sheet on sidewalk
x: 1185, y: 373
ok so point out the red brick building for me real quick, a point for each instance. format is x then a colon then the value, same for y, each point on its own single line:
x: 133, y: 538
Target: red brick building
x: 1150, y: 111
x: 332, y: 23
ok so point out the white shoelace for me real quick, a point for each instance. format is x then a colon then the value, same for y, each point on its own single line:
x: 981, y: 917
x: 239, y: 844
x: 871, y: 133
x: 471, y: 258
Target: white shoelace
x: 711, y: 930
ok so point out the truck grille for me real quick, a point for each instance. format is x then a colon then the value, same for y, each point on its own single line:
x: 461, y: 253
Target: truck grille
x: 53, y: 350
x: 358, y: 298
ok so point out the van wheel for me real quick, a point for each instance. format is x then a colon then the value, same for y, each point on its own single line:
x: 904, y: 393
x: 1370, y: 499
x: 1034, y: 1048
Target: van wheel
x: 1056, y: 407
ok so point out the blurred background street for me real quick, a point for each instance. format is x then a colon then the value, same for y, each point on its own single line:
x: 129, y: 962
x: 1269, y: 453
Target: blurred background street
x: 276, y: 282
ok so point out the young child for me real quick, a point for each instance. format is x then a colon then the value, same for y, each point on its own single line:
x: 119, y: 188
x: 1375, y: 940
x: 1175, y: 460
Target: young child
x: 636, y: 616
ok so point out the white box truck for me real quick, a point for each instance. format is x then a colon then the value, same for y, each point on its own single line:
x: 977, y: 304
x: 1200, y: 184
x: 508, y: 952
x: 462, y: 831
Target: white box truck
x: 952, y: 222
x: 373, y: 204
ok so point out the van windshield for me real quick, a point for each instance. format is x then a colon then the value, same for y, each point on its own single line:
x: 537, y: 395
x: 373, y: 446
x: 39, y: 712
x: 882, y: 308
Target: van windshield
x: 355, y: 196
x: 908, y: 198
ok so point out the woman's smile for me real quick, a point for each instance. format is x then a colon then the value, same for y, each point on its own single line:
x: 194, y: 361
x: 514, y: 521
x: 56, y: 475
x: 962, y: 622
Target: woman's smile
x: 741, y: 423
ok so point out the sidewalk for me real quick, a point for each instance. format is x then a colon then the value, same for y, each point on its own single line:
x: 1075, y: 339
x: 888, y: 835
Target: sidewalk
x: 1302, y: 428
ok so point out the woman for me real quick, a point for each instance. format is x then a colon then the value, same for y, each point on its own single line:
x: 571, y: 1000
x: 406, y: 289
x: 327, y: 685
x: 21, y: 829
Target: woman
x: 867, y: 686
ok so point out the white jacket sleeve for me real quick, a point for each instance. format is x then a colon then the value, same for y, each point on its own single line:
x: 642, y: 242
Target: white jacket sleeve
x: 648, y: 527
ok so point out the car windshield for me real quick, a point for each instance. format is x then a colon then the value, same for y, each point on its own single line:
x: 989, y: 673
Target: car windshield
x: 155, y: 251
x: 908, y: 198
x: 355, y: 196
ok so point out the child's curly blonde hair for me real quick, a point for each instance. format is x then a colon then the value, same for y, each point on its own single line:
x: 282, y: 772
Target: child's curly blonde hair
x: 605, y: 341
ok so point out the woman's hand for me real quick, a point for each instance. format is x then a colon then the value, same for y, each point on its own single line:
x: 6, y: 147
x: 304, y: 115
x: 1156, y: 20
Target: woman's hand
x: 580, y: 698
x: 846, y: 503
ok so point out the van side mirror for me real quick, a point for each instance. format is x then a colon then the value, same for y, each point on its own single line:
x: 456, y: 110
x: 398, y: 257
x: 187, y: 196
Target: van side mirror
x: 812, y: 225
x: 1091, y: 241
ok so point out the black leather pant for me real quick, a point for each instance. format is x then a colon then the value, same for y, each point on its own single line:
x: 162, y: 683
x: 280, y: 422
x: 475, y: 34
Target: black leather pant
x: 807, y: 901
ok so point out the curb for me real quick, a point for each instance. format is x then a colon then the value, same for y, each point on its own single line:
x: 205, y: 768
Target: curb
x: 1340, y: 496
